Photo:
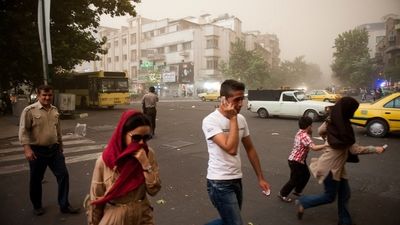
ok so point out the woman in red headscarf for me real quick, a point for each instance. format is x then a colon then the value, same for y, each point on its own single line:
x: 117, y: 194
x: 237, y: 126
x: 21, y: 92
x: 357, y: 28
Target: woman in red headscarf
x: 329, y: 168
x: 123, y: 174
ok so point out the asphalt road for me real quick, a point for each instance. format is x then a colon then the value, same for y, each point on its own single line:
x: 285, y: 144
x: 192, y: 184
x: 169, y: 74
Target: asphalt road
x: 182, y: 156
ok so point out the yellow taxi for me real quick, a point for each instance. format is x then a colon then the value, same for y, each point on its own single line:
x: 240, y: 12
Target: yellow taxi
x: 379, y: 117
x: 323, y: 95
x: 209, y: 96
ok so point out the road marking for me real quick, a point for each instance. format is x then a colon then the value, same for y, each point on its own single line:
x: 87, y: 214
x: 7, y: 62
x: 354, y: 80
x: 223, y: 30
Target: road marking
x: 12, y: 159
x: 65, y: 143
x: 66, y: 150
x: 69, y: 160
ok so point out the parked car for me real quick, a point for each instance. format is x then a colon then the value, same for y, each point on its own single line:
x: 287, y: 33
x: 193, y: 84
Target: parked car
x: 323, y: 95
x: 348, y: 91
x: 282, y: 103
x: 379, y: 117
x: 209, y: 96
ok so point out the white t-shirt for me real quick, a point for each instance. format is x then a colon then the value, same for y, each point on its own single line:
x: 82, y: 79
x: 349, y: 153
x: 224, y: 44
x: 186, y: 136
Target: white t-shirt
x: 221, y: 165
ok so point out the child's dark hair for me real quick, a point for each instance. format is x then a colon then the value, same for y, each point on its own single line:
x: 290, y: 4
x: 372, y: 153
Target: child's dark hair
x: 137, y: 120
x: 304, y: 122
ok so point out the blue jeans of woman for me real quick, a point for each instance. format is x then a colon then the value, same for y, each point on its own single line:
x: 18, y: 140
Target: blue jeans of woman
x: 226, y: 196
x: 332, y: 187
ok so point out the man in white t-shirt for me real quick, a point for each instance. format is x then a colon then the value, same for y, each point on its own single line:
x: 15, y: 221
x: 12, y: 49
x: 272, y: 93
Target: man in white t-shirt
x: 224, y: 129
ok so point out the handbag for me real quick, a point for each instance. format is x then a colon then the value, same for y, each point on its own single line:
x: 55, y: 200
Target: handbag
x: 352, y: 158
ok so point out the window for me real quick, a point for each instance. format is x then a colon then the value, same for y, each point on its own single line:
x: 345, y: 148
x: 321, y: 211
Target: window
x: 108, y: 59
x: 212, y: 63
x: 124, y: 41
x: 108, y: 45
x: 173, y: 48
x: 125, y: 57
x: 162, y: 30
x: 144, y: 53
x: 160, y: 50
x: 288, y: 98
x: 115, y: 43
x: 212, y: 42
x: 116, y: 59
x: 395, y: 103
x: 134, y: 72
x: 133, y: 39
x: 187, y: 45
x: 133, y: 55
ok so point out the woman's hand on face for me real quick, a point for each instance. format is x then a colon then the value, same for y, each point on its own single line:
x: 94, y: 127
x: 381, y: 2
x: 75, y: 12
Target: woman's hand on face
x: 141, y: 156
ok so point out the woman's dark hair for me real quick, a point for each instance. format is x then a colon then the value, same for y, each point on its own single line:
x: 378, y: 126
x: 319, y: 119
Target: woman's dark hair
x: 304, y: 122
x: 137, y: 120
x: 228, y: 86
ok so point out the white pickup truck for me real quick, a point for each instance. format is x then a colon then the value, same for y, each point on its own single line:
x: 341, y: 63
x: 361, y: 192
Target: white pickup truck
x: 282, y: 103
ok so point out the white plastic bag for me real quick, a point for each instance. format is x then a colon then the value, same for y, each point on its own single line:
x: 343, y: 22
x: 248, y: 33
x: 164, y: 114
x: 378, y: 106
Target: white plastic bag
x: 80, y: 129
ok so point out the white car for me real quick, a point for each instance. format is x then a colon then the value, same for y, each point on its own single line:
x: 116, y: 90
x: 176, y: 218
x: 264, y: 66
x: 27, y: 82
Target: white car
x: 267, y: 103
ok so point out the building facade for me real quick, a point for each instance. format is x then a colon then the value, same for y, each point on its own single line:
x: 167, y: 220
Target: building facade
x: 180, y: 56
x: 388, y: 49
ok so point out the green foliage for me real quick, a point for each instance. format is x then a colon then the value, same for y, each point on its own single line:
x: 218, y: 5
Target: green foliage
x: 352, y: 62
x: 247, y: 66
x: 72, y: 25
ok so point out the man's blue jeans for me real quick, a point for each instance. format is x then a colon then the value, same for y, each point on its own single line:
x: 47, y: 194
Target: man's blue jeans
x: 226, y: 196
x: 332, y: 187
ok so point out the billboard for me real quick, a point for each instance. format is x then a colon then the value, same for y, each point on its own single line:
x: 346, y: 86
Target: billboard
x: 168, y: 77
x: 186, y: 73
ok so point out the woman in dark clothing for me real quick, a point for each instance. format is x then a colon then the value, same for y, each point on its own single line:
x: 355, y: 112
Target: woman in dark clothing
x: 329, y: 168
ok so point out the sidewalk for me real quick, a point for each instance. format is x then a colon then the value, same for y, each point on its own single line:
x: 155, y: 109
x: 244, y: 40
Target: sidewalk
x: 8, y: 126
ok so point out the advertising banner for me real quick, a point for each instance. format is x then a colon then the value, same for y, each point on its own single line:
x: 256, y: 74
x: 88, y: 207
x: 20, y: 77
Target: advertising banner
x: 186, y: 73
x: 168, y: 77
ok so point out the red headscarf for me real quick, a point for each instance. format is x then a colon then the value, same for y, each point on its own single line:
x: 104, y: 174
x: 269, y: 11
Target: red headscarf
x: 131, y: 172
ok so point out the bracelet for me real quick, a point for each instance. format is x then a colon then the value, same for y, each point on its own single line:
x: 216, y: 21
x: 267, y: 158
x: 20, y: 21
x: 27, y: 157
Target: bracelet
x: 371, y: 149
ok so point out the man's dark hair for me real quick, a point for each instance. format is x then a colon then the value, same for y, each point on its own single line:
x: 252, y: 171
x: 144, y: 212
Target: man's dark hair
x: 152, y: 89
x: 304, y: 122
x: 45, y: 88
x: 228, y: 86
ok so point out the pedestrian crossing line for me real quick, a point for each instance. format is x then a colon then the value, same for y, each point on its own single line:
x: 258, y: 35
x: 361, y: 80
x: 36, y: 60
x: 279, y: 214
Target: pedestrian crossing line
x: 65, y: 138
x: 69, y: 160
x: 66, y: 150
x: 65, y: 143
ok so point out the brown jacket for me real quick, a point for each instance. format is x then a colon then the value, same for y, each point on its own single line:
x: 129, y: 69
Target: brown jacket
x: 132, y: 209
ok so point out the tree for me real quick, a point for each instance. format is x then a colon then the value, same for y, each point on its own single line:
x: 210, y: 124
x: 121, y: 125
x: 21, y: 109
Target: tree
x: 72, y: 25
x: 296, y: 73
x: 247, y: 66
x: 352, y: 62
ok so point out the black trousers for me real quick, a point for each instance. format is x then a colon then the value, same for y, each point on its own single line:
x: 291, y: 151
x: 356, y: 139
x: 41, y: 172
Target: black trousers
x: 151, y: 112
x: 299, y: 176
x: 53, y: 158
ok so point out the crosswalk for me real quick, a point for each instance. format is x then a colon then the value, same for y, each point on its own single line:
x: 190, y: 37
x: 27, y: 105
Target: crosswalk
x: 76, y: 149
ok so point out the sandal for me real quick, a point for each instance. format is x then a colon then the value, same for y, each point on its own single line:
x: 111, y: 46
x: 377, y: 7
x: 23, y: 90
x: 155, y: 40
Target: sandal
x: 285, y: 198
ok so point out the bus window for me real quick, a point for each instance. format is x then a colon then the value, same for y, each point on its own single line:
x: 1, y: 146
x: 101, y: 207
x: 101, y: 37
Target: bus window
x: 121, y: 85
x: 107, y: 85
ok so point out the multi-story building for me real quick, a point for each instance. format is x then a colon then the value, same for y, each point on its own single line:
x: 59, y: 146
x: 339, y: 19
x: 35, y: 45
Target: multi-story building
x: 181, y: 56
x: 376, y: 32
x: 388, y: 49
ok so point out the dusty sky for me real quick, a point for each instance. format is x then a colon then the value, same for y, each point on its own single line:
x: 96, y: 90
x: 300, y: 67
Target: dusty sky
x: 304, y: 27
